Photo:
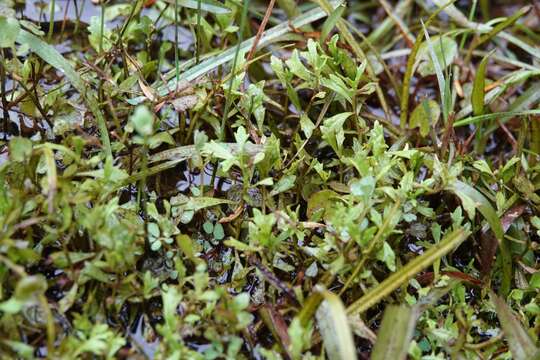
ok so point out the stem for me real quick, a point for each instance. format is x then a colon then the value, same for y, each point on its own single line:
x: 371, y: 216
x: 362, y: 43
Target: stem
x: 102, y: 26
x: 231, y: 80
x: 197, y: 34
x: 3, y: 91
x: 176, y: 64
x: 51, y: 19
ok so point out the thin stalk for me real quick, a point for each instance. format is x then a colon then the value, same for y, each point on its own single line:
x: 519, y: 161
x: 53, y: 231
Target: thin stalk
x: 228, y: 98
x: 51, y: 19
x: 102, y: 26
x: 3, y: 91
x: 197, y: 33
x: 404, y: 115
x: 176, y: 64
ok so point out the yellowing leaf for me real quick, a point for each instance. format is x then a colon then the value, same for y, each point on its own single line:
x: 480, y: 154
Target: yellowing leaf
x: 334, y: 328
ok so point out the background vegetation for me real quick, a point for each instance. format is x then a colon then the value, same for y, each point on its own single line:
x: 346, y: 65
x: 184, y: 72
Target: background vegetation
x: 203, y: 179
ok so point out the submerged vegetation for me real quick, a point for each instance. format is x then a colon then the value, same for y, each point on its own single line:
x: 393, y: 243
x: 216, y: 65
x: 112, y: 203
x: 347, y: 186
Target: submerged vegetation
x: 204, y: 179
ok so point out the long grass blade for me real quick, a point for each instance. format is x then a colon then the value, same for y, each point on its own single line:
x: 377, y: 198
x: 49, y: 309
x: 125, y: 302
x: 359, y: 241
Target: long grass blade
x: 385, y: 288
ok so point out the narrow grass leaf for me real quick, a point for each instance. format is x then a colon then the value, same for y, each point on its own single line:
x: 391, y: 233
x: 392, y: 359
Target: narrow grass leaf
x: 212, y: 6
x: 395, y: 333
x: 521, y: 345
x: 334, y: 327
x: 478, y: 93
x: 404, y: 105
x: 441, y: 80
x: 481, y: 118
x: 331, y: 22
x: 394, y: 281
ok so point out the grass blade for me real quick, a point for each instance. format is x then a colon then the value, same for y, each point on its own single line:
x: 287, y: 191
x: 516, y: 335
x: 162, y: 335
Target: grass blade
x: 212, y: 6
x: 395, y: 334
x: 385, y: 288
x: 481, y: 118
x: 441, y: 80
x: 478, y: 93
x: 404, y: 106
x: 521, y: 345
x: 50, y: 55
x: 331, y: 22
x: 334, y: 327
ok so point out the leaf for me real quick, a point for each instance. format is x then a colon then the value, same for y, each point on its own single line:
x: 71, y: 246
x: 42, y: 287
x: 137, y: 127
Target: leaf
x: 285, y: 183
x: 198, y: 203
x: 395, y: 333
x: 99, y: 41
x: 478, y: 93
x: 436, y: 54
x: 394, y: 281
x: 9, y: 28
x: 332, y: 130
x: 387, y: 255
x: 143, y: 120
x: 331, y: 22
x: 20, y: 149
x: 442, y: 54
x: 212, y: 6
x: 30, y: 286
x: 473, y: 199
x: 334, y: 327
x: 481, y: 118
x: 521, y: 345
x: 321, y: 200
x: 425, y: 115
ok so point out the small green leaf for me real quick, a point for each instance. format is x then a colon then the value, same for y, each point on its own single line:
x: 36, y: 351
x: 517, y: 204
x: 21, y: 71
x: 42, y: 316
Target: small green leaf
x: 143, y: 121
x: 472, y: 197
x: 30, y: 286
x: 20, y: 149
x: 218, y: 233
x: 424, y: 116
x: 285, y: 183
x: 479, y: 84
x: 9, y: 28
x: 444, y: 51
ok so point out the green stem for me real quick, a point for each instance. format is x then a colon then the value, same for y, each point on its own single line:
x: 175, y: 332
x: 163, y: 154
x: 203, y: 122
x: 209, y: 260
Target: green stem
x: 231, y: 80
x: 51, y: 19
